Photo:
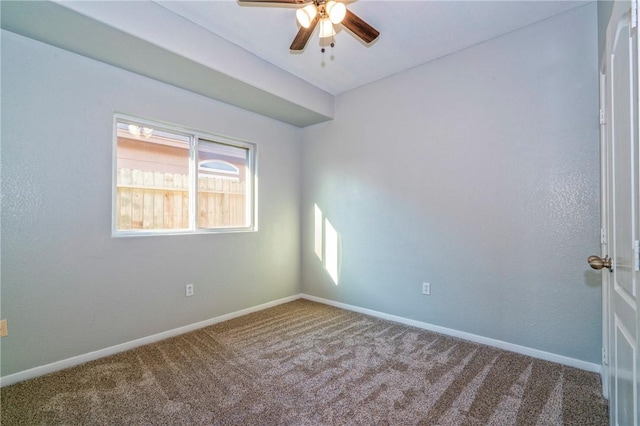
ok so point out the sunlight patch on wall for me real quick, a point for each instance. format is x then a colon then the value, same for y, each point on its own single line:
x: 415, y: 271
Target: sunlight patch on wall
x: 331, y: 250
x: 318, y: 232
x: 326, y: 243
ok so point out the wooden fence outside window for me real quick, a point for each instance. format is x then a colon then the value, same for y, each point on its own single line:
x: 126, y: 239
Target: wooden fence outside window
x: 156, y: 200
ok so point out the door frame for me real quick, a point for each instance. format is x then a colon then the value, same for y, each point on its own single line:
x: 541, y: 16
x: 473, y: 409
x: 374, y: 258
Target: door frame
x: 604, y: 228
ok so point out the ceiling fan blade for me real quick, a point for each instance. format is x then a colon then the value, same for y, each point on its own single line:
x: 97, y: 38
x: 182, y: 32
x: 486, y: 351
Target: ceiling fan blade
x: 360, y: 28
x: 276, y: 1
x: 303, y: 35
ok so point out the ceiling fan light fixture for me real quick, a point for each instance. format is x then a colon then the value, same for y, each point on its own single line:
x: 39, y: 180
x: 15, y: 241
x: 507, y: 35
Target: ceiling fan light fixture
x: 306, y: 15
x: 336, y: 11
x: 324, y: 13
x: 326, y: 28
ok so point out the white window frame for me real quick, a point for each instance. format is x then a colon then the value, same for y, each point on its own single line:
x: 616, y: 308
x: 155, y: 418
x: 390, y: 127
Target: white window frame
x: 195, y: 136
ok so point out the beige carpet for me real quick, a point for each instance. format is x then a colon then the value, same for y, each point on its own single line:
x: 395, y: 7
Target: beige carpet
x: 304, y: 363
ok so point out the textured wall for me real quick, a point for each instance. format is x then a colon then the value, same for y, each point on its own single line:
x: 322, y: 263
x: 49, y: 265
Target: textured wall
x: 68, y: 288
x: 478, y: 173
x: 604, y: 13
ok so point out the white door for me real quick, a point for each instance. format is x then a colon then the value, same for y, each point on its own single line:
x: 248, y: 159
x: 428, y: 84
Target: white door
x: 620, y: 198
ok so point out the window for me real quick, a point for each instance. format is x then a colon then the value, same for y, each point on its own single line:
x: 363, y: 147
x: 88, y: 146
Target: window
x: 169, y: 180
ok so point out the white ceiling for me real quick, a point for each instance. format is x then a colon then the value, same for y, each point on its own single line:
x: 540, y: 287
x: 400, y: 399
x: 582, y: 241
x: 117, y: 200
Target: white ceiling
x: 412, y: 33
x: 238, y: 53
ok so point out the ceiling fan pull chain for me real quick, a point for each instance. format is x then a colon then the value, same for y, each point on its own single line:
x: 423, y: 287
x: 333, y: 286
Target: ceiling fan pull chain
x: 333, y: 43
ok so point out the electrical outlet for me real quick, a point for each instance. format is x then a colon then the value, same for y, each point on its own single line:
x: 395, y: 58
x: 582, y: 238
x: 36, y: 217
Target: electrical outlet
x: 188, y: 290
x: 426, y: 288
x: 3, y: 328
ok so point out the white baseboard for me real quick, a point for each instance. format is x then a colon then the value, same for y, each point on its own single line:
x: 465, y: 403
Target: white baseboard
x: 81, y: 359
x: 524, y: 350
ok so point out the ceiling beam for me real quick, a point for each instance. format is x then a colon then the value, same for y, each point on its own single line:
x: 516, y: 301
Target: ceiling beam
x: 67, y: 29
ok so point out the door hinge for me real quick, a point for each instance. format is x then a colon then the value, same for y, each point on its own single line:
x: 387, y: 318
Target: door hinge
x: 602, y: 120
x: 602, y: 241
x: 605, y: 356
x: 634, y: 13
x: 636, y: 255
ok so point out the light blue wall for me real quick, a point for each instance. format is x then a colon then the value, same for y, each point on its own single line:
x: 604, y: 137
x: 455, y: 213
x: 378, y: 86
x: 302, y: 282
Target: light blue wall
x: 604, y: 13
x: 478, y: 173
x: 68, y: 288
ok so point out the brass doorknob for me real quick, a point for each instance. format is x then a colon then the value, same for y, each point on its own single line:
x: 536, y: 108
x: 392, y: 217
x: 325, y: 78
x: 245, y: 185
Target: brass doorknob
x: 596, y: 262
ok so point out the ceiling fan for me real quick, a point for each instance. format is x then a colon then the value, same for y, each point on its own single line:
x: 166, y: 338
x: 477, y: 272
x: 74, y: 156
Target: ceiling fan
x: 326, y: 13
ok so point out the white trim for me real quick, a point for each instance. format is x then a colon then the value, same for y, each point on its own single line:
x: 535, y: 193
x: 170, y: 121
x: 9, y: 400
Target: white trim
x: 101, y: 353
x: 604, y: 231
x: 524, y: 350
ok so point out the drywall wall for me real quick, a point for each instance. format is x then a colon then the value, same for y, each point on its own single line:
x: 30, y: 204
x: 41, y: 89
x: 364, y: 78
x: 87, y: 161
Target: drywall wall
x: 194, y: 61
x: 604, y: 13
x: 68, y: 287
x: 479, y: 174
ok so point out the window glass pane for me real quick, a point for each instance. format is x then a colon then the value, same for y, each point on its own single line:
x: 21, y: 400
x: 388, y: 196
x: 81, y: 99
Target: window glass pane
x: 218, y: 167
x: 173, y: 180
x: 152, y: 178
x: 223, y: 185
